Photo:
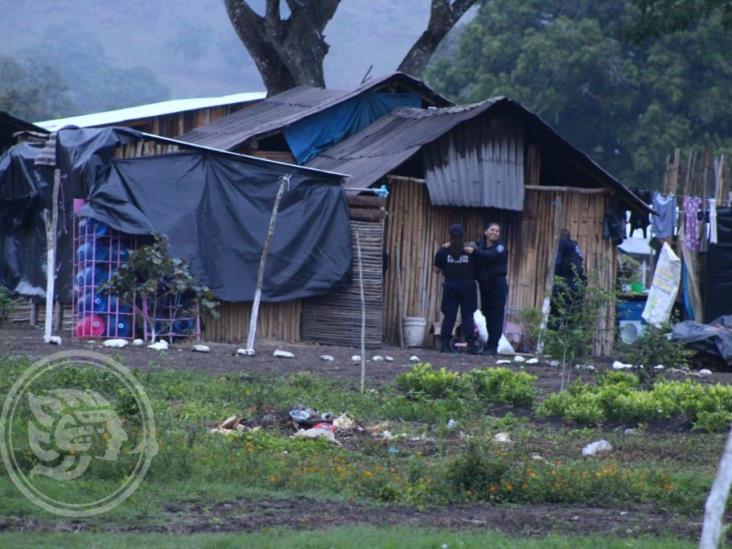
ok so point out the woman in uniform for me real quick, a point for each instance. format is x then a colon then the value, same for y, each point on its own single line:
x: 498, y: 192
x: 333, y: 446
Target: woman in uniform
x: 492, y: 262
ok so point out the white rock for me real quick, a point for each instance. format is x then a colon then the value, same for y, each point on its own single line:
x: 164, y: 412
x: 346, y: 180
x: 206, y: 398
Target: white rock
x: 279, y: 353
x: 452, y: 424
x: 245, y: 352
x: 115, y: 343
x: 414, y: 358
x: 356, y: 358
x: 537, y: 457
x: 389, y: 358
x: 584, y: 367
x: 519, y: 358
x: 597, y: 447
x: 503, y: 361
x: 659, y: 367
x: 386, y: 435
x: 198, y: 348
x: 377, y: 358
x: 630, y: 431
x: 53, y: 340
x: 533, y: 361
x: 161, y: 345
x: 503, y: 438
x: 138, y: 342
x: 705, y: 372
x: 554, y: 363
x: 617, y: 365
x: 327, y: 358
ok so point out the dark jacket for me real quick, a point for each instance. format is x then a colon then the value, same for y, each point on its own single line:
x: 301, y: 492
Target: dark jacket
x: 492, y: 260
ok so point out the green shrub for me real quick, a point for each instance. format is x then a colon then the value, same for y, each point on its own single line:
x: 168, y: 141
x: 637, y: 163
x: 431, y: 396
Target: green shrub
x: 502, y: 386
x: 653, y: 347
x: 6, y: 304
x: 423, y: 380
x: 618, y: 397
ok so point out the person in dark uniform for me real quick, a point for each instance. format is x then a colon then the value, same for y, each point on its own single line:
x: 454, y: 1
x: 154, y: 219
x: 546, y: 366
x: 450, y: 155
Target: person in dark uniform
x: 492, y: 261
x: 458, y: 266
x: 569, y: 267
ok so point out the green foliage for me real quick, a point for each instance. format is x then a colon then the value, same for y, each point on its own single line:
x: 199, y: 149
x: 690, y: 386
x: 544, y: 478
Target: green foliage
x: 152, y: 277
x: 626, y: 104
x: 423, y: 380
x: 652, y: 348
x: 618, y: 397
x: 6, y: 304
x: 32, y: 91
x: 502, y: 386
x: 488, y: 385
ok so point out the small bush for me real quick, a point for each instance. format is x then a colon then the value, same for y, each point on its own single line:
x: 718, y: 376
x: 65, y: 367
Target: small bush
x: 502, y: 386
x: 6, y: 304
x: 618, y: 397
x: 653, y: 347
x: 423, y: 380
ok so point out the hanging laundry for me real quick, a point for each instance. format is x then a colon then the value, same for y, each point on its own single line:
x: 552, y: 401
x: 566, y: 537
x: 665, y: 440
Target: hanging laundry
x: 639, y: 219
x: 712, y: 221
x: 613, y: 224
x: 691, y: 223
x: 664, y: 222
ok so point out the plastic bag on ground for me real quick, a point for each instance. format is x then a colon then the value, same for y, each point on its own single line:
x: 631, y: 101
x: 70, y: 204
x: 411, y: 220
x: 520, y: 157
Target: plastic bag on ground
x: 505, y: 347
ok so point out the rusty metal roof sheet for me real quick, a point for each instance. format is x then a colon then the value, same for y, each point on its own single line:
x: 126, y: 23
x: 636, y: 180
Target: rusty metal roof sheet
x: 279, y: 111
x: 376, y: 151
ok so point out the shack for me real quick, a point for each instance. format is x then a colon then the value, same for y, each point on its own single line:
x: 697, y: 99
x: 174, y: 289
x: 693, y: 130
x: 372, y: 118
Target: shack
x: 490, y: 161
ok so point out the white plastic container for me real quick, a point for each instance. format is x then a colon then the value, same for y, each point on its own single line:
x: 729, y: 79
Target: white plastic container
x: 414, y: 331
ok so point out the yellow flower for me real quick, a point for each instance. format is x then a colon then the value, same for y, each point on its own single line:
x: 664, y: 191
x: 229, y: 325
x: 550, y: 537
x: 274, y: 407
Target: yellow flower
x: 367, y: 474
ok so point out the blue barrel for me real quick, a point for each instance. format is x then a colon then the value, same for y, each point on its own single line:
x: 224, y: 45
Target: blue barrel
x: 96, y: 302
x: 119, y: 325
x: 91, y: 275
x: 93, y: 227
x: 630, y: 310
x: 89, y: 251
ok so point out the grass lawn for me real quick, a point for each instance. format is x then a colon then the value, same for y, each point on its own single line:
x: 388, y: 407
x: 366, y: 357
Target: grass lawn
x: 336, y: 538
x: 425, y: 472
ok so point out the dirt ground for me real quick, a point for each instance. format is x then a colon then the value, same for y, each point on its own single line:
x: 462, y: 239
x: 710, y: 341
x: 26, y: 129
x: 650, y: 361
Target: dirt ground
x: 21, y: 339
x: 304, y: 513
x: 247, y: 515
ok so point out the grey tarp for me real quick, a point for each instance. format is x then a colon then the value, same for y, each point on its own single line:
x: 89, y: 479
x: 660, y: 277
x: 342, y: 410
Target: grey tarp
x: 714, y: 339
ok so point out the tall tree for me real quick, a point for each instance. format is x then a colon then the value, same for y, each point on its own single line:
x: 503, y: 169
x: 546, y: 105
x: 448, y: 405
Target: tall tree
x: 627, y: 104
x: 660, y: 17
x: 289, y: 51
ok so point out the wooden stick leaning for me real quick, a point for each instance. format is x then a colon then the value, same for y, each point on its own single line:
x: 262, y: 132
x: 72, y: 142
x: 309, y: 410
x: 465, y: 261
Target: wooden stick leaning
x: 51, y: 223
x: 363, y: 313
x: 717, y: 500
x: 284, y: 182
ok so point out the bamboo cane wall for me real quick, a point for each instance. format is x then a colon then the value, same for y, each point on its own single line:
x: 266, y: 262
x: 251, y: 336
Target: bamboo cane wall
x: 335, y: 319
x: 414, y: 232
x: 279, y: 321
x: 416, y: 229
x: 582, y: 215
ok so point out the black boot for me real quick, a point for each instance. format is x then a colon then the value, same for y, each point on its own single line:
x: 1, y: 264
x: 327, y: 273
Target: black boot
x: 445, y: 346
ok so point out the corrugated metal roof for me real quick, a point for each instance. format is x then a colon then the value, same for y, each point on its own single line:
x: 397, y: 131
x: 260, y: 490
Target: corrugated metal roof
x: 279, y: 111
x: 147, y: 111
x: 371, y: 154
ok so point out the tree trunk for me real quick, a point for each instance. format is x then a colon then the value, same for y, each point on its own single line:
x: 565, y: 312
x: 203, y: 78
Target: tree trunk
x: 444, y: 14
x: 288, y: 52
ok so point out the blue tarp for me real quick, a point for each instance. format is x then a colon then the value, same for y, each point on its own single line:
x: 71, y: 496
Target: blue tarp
x: 311, y: 136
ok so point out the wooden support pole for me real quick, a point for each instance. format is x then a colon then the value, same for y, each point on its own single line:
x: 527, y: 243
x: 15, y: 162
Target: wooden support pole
x: 717, y: 500
x: 363, y: 313
x: 284, y: 182
x: 51, y: 222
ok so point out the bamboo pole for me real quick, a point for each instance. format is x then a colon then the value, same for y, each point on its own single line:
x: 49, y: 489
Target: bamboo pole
x: 400, y: 302
x: 363, y: 313
x: 284, y: 182
x: 51, y: 223
x: 717, y: 500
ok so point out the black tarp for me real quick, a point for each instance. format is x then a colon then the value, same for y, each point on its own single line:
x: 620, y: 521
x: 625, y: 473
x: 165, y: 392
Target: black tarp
x: 718, y: 282
x: 214, y: 208
x: 215, y: 211
x: 713, y: 339
x: 25, y: 191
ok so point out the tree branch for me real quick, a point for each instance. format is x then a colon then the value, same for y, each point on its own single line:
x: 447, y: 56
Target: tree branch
x: 443, y: 17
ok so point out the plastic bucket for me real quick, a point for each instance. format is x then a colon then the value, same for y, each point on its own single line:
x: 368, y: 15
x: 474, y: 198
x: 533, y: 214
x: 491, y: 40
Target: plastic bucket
x: 414, y: 331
